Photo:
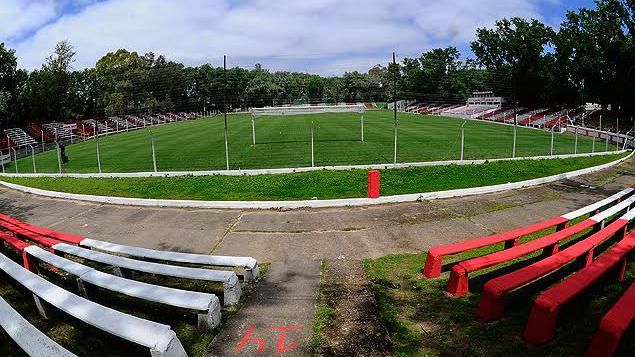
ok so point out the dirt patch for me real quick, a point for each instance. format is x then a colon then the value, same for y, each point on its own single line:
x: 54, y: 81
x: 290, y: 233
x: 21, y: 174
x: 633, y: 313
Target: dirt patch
x: 352, y: 326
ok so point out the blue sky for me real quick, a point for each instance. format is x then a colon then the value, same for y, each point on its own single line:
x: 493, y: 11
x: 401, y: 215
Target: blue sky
x: 322, y: 36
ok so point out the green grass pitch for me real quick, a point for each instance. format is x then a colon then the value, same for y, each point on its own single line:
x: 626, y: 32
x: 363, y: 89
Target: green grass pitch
x: 286, y: 142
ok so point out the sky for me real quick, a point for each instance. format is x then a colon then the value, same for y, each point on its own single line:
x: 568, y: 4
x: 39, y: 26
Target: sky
x: 327, y: 37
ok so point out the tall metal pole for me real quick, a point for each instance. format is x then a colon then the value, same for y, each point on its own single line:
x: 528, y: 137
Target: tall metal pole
x: 42, y: 132
x: 2, y: 160
x: 97, y: 147
x: 225, y: 106
x: 312, y: 148
x: 593, y: 147
x: 514, y: 147
x: 394, y: 80
x: 607, y: 142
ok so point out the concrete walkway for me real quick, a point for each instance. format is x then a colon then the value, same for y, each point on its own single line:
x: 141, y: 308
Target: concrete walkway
x: 295, y: 241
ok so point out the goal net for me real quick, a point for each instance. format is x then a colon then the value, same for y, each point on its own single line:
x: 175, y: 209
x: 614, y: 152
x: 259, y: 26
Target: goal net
x: 289, y: 127
x: 312, y: 109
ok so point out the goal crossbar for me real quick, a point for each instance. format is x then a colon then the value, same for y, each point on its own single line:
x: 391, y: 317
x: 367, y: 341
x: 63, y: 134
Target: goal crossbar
x: 313, y: 109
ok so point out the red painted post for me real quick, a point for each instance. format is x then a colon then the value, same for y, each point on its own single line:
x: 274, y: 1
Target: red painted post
x: 373, y: 183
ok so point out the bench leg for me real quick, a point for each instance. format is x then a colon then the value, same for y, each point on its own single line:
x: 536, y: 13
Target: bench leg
x: 622, y: 271
x: 232, y: 292
x: 458, y: 284
x: 211, y: 319
x: 81, y: 286
x: 491, y: 307
x: 541, y: 324
x: 604, y: 343
x: 174, y: 349
x: 562, y: 226
x: 511, y: 243
x: 40, y: 306
x: 432, y: 268
x: 252, y: 275
x: 117, y: 271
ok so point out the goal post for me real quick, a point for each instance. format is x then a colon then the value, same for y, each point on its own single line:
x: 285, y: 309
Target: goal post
x: 303, y: 110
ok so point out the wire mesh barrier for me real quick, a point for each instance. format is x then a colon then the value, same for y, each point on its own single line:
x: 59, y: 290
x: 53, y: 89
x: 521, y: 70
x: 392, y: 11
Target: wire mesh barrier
x: 231, y: 118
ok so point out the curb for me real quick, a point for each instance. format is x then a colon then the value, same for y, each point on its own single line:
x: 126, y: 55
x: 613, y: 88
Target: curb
x: 346, y: 202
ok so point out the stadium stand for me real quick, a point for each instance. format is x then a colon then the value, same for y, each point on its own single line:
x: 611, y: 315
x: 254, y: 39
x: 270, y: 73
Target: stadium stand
x: 31, y: 340
x: 492, y: 304
x: 60, y: 131
x: 19, y: 138
x: 250, y: 265
x: 160, y: 339
x: 468, y: 111
x: 435, y: 255
x: 544, y: 313
x: 613, y: 325
x: 458, y: 282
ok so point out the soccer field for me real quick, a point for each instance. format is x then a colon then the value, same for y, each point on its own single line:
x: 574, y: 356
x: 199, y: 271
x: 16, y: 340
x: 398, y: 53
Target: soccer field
x: 286, y: 142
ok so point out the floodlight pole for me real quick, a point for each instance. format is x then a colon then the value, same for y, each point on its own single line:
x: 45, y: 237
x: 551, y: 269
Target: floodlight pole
x: 312, y: 148
x: 394, y: 80
x: 225, y: 106
x: 514, y: 144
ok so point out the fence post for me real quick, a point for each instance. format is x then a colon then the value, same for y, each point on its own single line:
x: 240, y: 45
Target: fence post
x: 514, y: 148
x: 42, y: 132
x: 463, y: 140
x: 551, y: 152
x: 59, y: 157
x: 33, y: 157
x: 312, y: 148
x: 575, y: 147
x: 362, y: 119
x: 98, y: 156
x: 607, y: 142
x: 15, y: 159
x: 593, y: 147
x: 253, y: 129
x: 2, y: 161
x: 154, y: 156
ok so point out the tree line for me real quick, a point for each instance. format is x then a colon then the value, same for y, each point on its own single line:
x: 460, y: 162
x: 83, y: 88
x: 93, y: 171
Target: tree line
x: 589, y: 58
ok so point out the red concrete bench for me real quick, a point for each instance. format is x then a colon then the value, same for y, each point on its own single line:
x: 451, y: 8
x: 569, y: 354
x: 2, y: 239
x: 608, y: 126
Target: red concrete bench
x: 69, y: 238
x: 613, y: 325
x: 544, y: 313
x: 434, y: 260
x: 492, y: 304
x: 458, y: 282
x: 17, y: 245
x: 27, y: 234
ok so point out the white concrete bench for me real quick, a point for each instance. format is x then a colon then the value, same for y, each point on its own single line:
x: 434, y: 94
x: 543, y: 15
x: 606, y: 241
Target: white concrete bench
x: 252, y: 272
x: 206, y: 305
x: 231, y: 285
x: 31, y: 340
x: 160, y: 339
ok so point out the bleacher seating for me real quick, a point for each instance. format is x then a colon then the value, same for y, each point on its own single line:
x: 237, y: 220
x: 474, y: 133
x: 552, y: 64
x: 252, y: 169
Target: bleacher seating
x: 458, y: 283
x: 542, y: 320
x: 31, y: 340
x: 60, y: 131
x: 468, y: 111
x: 435, y: 255
x: 26, y: 239
x: 158, y: 338
x: 613, y: 325
x: 492, y: 302
x: 18, y: 138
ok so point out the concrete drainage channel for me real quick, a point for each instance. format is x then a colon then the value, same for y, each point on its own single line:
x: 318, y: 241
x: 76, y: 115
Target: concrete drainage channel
x: 348, y: 202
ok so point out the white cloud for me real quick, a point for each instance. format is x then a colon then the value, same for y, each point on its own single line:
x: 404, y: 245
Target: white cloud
x: 329, y: 36
x: 17, y: 17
